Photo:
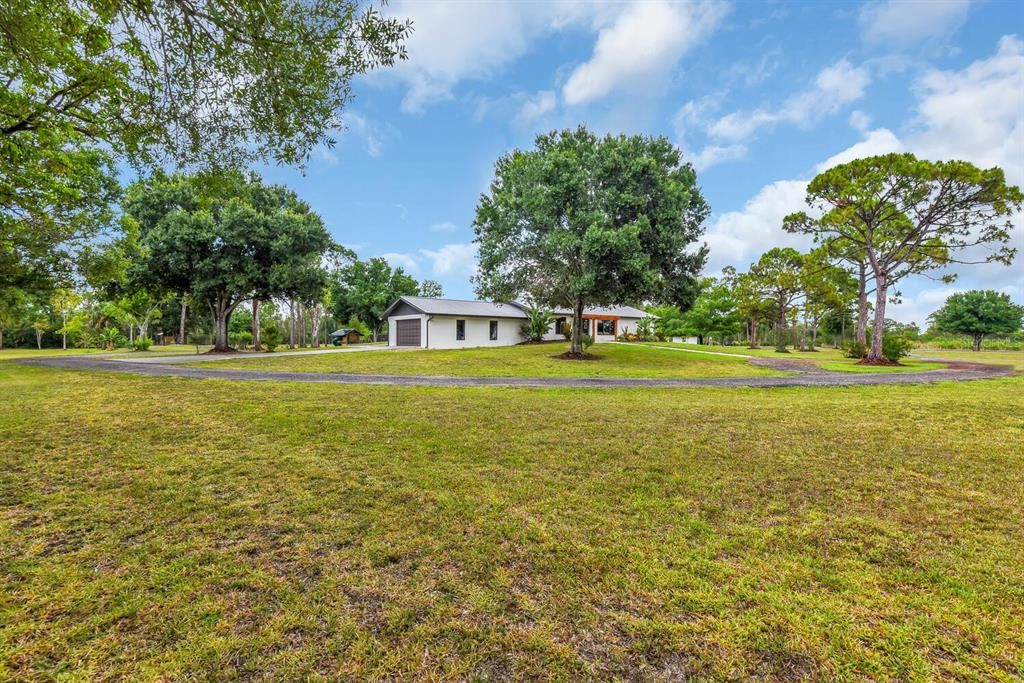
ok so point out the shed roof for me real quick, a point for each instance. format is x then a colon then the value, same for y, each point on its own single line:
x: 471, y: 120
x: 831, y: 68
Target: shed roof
x: 345, y: 330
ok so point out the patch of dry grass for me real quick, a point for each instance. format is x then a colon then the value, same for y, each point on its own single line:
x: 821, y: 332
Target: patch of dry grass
x: 162, y: 528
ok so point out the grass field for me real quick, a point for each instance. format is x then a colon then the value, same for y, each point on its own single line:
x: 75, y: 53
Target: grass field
x: 823, y: 353
x: 1014, y: 358
x: 527, y: 360
x: 161, y: 528
x: 10, y: 354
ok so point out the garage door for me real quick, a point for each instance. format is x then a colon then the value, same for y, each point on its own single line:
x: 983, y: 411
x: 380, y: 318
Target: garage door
x: 407, y: 332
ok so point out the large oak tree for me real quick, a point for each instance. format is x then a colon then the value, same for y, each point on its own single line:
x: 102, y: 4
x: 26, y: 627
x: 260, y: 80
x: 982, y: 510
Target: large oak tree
x: 226, y: 238
x: 580, y: 220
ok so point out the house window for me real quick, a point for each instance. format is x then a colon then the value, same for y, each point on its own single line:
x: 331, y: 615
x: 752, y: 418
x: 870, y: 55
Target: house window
x: 460, y: 330
x: 606, y: 327
x: 585, y: 326
x: 560, y: 326
x: 494, y: 330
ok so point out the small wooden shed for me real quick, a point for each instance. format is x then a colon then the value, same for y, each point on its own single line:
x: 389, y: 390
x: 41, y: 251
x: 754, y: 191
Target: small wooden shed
x: 346, y: 336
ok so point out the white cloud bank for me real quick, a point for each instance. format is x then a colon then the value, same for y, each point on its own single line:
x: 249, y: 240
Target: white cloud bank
x: 900, y: 23
x: 976, y: 114
x: 457, y: 41
x: 646, y: 41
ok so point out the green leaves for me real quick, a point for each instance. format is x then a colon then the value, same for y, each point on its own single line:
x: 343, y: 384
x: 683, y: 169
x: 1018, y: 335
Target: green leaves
x: 978, y: 313
x: 210, y: 84
x: 599, y: 220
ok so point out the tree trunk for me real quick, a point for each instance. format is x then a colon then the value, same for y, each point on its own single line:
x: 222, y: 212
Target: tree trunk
x: 316, y: 320
x: 222, y: 318
x: 754, y: 325
x: 1, y: 340
x: 576, y: 345
x: 255, y: 323
x: 862, y: 305
x: 780, y: 329
x: 291, y: 324
x: 977, y: 342
x: 181, y: 322
x: 878, y: 326
x: 39, y: 340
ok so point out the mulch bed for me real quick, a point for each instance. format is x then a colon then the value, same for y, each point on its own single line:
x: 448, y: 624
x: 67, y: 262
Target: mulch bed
x: 568, y: 355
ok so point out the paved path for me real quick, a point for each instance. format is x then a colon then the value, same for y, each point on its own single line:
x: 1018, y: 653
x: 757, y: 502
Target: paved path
x: 960, y: 371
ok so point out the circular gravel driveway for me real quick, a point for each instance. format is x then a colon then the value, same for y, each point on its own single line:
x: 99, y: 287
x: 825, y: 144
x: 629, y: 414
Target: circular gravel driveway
x: 809, y: 375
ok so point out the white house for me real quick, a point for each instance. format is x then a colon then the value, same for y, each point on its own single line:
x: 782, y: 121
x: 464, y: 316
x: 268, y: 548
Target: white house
x: 451, y: 323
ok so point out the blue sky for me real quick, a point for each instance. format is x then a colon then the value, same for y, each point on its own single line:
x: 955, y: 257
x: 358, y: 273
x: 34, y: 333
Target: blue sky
x: 758, y: 95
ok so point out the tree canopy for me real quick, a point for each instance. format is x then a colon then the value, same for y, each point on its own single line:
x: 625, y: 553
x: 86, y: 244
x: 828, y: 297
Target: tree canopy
x: 978, y: 314
x: 365, y: 289
x: 907, y: 215
x: 215, y: 83
x: 227, y: 238
x: 581, y: 220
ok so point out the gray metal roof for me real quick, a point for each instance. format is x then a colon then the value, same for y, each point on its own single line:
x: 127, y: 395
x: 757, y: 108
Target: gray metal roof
x: 485, y: 309
x: 475, y: 309
x: 618, y: 311
x: 345, y: 330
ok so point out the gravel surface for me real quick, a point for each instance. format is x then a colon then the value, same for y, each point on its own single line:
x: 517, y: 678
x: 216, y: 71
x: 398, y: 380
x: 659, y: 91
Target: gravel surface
x: 810, y: 376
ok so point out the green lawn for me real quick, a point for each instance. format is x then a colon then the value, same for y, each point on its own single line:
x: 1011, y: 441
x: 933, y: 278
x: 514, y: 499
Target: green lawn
x: 177, y: 349
x: 165, y: 529
x: 823, y: 353
x: 527, y: 360
x: 1014, y: 358
x: 906, y: 365
x: 9, y: 353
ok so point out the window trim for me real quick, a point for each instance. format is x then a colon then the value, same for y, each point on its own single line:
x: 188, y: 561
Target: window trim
x: 460, y: 330
x: 493, y: 330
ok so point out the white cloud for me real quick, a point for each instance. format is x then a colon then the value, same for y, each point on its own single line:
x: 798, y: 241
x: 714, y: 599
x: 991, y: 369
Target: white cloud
x: 456, y: 41
x: 738, y: 238
x: 452, y: 258
x: 900, y: 23
x: 645, y: 42
x: 405, y: 261
x: 860, y: 120
x: 538, y: 105
x: 370, y: 133
x: 834, y: 87
x: 880, y: 141
x: 443, y: 226
x: 975, y: 114
x: 712, y: 155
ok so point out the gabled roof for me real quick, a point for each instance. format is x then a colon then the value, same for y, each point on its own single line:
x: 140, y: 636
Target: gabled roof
x: 617, y: 311
x: 475, y: 309
x: 486, y: 309
x: 345, y: 330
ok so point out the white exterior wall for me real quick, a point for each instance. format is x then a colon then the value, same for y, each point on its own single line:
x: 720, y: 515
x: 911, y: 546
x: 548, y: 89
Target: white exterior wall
x: 441, y: 331
x: 393, y: 329
x: 625, y: 325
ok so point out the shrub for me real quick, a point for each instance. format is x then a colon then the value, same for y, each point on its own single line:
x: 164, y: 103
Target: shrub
x: 567, y: 330
x: 270, y: 336
x: 896, y: 346
x: 109, y: 338
x: 587, y: 341
x: 539, y: 321
x: 142, y: 344
x: 241, y: 339
x: 856, y: 350
x: 645, y: 328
